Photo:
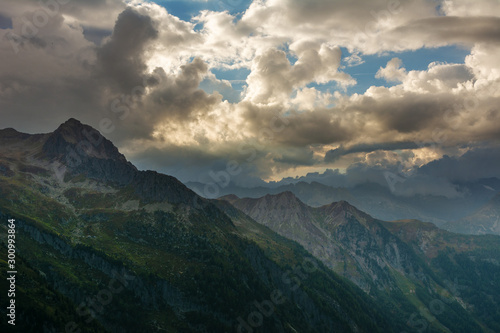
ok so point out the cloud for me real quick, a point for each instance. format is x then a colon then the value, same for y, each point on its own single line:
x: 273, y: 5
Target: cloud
x: 393, y: 71
x: 311, y: 99
x: 482, y: 62
x: 358, y: 25
x: 180, y: 97
x: 471, y: 7
x: 476, y: 163
x: 244, y: 164
x: 437, y: 31
x: 156, y: 78
x: 438, y: 78
x: 273, y: 78
x: 331, y: 177
x: 335, y: 154
x: 121, y: 59
x: 99, y: 14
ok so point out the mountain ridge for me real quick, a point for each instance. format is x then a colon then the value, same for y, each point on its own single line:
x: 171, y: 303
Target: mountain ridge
x: 378, y: 200
x: 396, y: 257
x: 328, y: 230
x: 192, y: 268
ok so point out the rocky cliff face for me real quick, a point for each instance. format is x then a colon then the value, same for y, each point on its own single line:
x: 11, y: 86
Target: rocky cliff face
x: 285, y: 214
x: 410, y: 260
x: 83, y: 150
x: 346, y: 239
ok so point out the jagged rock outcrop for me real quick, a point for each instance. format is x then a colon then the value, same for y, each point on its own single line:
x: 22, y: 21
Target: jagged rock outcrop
x: 83, y: 150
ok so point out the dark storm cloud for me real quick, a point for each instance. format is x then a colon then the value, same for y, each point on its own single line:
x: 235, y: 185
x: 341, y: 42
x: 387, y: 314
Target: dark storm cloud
x: 316, y: 128
x: 409, y: 114
x: 120, y: 60
x: 411, y: 117
x: 408, y: 185
x: 180, y: 96
x: 355, y: 174
x: 95, y: 82
x: 175, y: 99
x: 296, y: 157
x: 192, y: 163
x: 474, y: 164
x: 335, y: 154
x: 96, y: 35
x: 296, y: 129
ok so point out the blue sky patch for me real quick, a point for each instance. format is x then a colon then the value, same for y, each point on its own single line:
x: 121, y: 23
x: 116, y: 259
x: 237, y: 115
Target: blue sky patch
x: 185, y: 10
x: 5, y: 22
x: 412, y: 60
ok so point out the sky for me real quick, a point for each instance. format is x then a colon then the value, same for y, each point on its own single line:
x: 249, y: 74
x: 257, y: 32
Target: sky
x: 392, y: 91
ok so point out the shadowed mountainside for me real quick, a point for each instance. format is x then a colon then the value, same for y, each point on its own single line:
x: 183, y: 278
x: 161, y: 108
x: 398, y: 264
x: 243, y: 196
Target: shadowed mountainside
x: 402, y: 262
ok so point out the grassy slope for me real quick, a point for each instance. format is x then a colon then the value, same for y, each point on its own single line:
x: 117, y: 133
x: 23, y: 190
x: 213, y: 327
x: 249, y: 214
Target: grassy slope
x: 204, y: 256
x: 468, y: 265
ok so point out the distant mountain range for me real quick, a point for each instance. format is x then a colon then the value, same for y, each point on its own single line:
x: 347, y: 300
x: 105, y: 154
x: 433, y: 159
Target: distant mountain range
x: 104, y: 247
x: 486, y: 220
x: 378, y: 200
x: 401, y: 262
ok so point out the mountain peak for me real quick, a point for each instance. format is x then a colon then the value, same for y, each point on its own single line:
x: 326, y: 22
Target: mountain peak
x: 344, y: 204
x: 339, y: 205
x: 10, y: 133
x: 73, y: 131
x: 71, y: 125
x: 286, y: 194
x: 229, y: 198
x: 72, y: 122
x: 344, y: 208
x: 283, y: 198
x: 83, y: 149
x: 83, y: 141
